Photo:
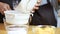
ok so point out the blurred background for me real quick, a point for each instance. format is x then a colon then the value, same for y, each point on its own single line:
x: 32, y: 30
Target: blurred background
x: 58, y: 13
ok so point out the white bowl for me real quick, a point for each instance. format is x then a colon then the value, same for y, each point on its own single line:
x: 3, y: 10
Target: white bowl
x: 15, y: 17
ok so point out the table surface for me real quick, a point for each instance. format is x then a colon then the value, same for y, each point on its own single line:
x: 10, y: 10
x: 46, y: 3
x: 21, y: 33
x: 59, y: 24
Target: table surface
x: 3, y: 31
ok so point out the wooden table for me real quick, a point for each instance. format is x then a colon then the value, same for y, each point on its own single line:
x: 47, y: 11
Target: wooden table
x: 3, y: 31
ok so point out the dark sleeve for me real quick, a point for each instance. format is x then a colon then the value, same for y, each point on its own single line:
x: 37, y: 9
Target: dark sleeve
x: 44, y: 16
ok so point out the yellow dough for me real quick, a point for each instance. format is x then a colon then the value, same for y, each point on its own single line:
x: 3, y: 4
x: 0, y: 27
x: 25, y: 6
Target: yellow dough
x: 46, y: 30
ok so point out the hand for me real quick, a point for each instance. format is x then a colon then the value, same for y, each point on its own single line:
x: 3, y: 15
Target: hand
x: 4, y: 7
x: 36, y: 7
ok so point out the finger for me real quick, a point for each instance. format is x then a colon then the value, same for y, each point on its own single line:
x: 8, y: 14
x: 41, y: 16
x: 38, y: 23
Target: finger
x: 36, y: 8
x: 8, y: 7
x: 33, y: 11
x: 5, y: 7
x: 2, y: 11
x: 37, y: 5
x: 38, y: 1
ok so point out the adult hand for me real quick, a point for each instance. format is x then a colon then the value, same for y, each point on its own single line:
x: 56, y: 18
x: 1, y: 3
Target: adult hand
x: 36, y: 7
x: 4, y: 7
